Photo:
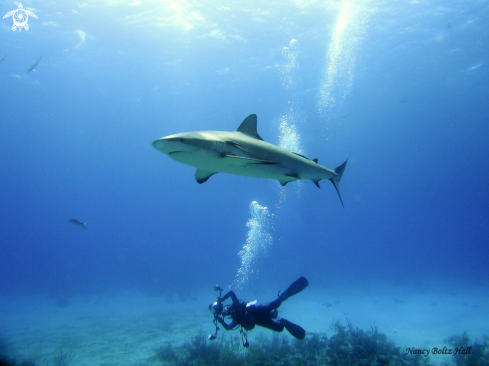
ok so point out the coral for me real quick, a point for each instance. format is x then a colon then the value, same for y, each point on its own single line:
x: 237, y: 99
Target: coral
x: 167, y: 354
x: 202, y: 351
x: 478, y: 354
x: 63, y: 358
x: 5, y: 361
x: 27, y: 363
x: 353, y: 346
x: 268, y: 351
x: 347, y: 346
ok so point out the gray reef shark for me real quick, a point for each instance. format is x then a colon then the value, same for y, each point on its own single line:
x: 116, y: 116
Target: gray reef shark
x: 244, y: 152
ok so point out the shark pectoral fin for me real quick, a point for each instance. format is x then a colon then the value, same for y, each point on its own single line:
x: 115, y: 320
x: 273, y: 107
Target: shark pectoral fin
x: 246, y: 161
x: 236, y: 145
x: 316, y: 182
x: 202, y: 175
x: 336, y: 180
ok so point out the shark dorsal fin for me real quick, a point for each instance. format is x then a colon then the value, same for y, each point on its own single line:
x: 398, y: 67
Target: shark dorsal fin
x: 248, y: 127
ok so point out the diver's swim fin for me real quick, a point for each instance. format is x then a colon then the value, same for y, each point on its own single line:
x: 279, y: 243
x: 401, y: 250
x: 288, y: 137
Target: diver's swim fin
x: 295, y: 288
x: 294, y: 329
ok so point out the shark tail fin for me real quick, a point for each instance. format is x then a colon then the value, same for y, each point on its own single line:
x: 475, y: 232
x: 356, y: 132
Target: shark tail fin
x: 84, y: 224
x: 336, y: 180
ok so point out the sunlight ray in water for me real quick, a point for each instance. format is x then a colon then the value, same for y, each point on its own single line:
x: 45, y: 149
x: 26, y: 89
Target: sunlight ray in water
x: 338, y: 76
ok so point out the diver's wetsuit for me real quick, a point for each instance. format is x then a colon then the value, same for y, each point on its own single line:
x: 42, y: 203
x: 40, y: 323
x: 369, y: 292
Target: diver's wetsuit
x: 262, y: 315
x: 252, y: 315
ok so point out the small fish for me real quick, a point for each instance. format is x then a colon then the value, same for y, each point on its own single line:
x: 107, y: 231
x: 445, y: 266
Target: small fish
x: 3, y: 58
x: 78, y: 222
x: 474, y: 67
x: 450, y: 25
x: 33, y: 66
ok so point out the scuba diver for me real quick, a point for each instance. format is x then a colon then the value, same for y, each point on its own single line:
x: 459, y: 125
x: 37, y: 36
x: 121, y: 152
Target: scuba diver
x: 247, y: 315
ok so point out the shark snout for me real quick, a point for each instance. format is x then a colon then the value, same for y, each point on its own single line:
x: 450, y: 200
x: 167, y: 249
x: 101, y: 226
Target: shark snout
x: 169, y: 144
x: 159, y: 144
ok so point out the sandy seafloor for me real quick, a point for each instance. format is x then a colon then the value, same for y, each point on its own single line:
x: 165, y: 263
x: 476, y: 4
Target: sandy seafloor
x: 127, y: 329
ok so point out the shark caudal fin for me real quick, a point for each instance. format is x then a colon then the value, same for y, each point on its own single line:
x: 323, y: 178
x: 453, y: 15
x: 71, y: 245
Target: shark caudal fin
x: 84, y: 224
x: 336, y: 180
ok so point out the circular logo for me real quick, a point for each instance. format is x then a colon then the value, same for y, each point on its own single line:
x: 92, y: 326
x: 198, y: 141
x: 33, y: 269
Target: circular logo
x: 20, y: 18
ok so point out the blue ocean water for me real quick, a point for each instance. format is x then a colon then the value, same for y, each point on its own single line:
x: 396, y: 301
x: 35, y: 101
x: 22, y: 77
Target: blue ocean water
x: 399, y: 87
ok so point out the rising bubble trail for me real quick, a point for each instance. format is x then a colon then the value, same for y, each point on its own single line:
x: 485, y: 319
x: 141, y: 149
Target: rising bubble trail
x: 258, y: 240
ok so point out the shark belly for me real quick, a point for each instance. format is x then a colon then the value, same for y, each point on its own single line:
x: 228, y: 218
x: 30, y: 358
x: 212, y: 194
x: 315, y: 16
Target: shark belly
x: 283, y: 170
x: 267, y: 171
x: 217, y: 163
